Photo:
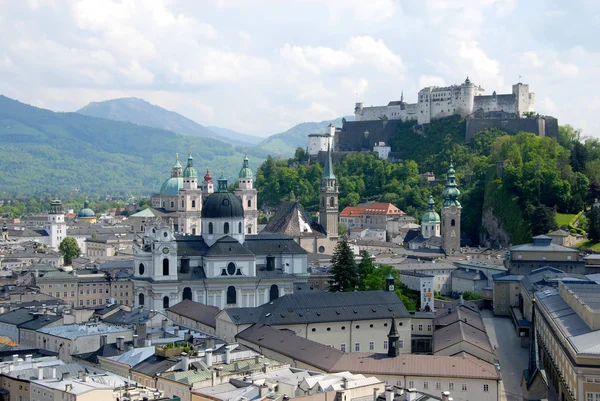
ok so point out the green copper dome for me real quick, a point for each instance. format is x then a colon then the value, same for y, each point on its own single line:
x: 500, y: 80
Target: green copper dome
x: 86, y: 212
x: 177, y: 164
x: 451, y: 192
x: 246, y: 171
x: 171, y: 186
x: 430, y: 216
x: 190, y: 170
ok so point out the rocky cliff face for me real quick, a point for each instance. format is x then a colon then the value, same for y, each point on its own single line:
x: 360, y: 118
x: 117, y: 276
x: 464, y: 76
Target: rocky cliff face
x: 496, y: 235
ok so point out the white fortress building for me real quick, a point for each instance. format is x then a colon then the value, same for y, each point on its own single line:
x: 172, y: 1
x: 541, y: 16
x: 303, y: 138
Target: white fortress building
x: 438, y: 102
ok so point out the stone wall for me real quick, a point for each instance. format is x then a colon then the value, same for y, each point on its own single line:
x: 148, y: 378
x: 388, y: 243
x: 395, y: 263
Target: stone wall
x: 540, y: 126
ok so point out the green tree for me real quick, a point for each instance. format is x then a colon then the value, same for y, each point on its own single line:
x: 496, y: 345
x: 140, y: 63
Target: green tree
x: 365, y: 268
x: 69, y: 249
x: 543, y: 220
x: 376, y: 281
x: 470, y: 296
x: 344, y: 273
x: 594, y: 224
x: 342, y: 230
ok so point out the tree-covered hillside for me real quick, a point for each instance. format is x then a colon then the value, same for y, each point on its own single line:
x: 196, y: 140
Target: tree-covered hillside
x: 44, y: 152
x: 511, y: 186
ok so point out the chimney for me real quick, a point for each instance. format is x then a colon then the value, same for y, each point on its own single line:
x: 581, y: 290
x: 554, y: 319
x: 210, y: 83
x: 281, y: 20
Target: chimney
x: 28, y: 358
x: 264, y: 390
x: 265, y: 367
x: 257, y: 359
x: 218, y: 369
x: 15, y: 357
x: 68, y: 387
x: 66, y: 375
x: 445, y: 395
x: 227, y: 354
x: 462, y: 300
x: 209, y: 358
x: 389, y: 394
x: 164, y: 324
x: 185, y: 361
x: 411, y: 394
x: 103, y: 340
x: 214, y: 378
x: 135, y: 339
x: 148, y: 342
x: 345, y: 383
x: 375, y: 393
x: 41, y: 374
x: 176, y: 332
x: 84, y: 378
x: 120, y: 343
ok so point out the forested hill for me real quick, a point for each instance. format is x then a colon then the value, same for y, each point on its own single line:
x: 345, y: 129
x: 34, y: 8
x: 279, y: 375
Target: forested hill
x: 512, y: 186
x: 44, y: 152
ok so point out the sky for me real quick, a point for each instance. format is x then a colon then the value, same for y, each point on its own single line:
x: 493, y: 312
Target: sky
x: 260, y: 67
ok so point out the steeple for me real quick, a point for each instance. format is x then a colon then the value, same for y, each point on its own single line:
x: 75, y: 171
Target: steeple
x: 177, y: 170
x: 190, y: 170
x: 393, y: 338
x: 389, y: 283
x: 451, y: 191
x: 328, y: 208
x: 402, y: 96
x: 246, y: 172
x: 328, y: 171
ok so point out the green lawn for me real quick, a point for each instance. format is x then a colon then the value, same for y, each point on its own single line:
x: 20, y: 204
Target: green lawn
x: 589, y: 245
x: 564, y: 219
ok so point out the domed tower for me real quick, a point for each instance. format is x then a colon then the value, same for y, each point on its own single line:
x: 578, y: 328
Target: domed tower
x: 86, y: 214
x: 451, y: 210
x: 249, y: 197
x: 55, y: 225
x: 222, y: 215
x: 328, y: 206
x: 167, y: 197
x: 189, y: 206
x: 430, y: 222
x: 208, y: 187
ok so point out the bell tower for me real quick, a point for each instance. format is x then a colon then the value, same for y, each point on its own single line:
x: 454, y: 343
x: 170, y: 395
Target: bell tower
x: 249, y: 196
x: 451, y: 210
x: 328, y: 202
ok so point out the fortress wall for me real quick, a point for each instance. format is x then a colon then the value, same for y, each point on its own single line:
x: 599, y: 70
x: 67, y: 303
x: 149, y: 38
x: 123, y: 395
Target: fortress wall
x: 511, y: 125
x: 506, y: 103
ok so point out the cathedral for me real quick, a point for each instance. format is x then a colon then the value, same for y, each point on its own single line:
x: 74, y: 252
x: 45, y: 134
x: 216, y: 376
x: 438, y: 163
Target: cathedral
x: 201, y: 243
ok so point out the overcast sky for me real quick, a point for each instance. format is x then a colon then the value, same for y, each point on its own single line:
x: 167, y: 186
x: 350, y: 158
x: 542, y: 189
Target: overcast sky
x: 261, y: 67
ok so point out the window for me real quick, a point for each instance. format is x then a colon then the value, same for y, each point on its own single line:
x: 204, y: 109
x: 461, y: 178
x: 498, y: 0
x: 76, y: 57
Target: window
x: 231, y: 268
x: 249, y: 203
x: 187, y: 293
x: 249, y: 230
x: 371, y: 345
x: 343, y: 347
x: 428, y: 327
x: 193, y: 203
x: 87, y: 291
x: 87, y: 302
x: 400, y: 343
x: 226, y: 228
x: 172, y: 204
x: 426, y: 385
x: 420, y: 327
x: 385, y: 344
x: 464, y: 387
x: 331, y: 202
x: 81, y: 302
x: 411, y: 384
x: 210, y: 228
x: 273, y: 292
x: 165, y: 267
x: 240, y: 228
x: 438, y: 386
x: 141, y: 268
x: 93, y: 302
x: 486, y: 388
x: 94, y: 291
x: 231, y: 295
x: 453, y: 222
x: 357, y: 347
x: 165, y: 302
x: 65, y: 294
x: 451, y: 386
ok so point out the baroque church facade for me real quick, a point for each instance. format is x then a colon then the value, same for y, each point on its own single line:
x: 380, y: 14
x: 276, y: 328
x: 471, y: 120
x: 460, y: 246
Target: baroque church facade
x: 201, y: 243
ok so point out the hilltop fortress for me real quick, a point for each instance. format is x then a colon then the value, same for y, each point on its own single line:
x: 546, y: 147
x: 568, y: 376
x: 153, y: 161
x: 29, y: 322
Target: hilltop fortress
x: 374, y: 126
x: 438, y: 102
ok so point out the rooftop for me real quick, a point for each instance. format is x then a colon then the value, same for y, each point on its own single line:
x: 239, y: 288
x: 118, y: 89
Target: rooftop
x: 542, y: 243
x: 74, y: 331
x: 134, y: 356
x: 588, y: 293
x: 196, y: 311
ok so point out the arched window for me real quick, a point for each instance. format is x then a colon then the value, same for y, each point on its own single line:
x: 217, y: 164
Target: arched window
x: 193, y: 203
x: 187, y: 293
x: 226, y: 228
x: 165, y: 302
x: 453, y: 223
x: 141, y: 300
x: 231, y: 295
x: 182, y: 204
x: 249, y: 203
x: 240, y: 228
x: 249, y: 230
x: 210, y: 228
x: 141, y: 269
x: 331, y: 202
x: 231, y: 268
x: 273, y: 292
x: 165, y: 267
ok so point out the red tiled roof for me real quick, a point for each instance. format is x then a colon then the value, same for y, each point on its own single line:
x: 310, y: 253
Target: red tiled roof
x: 385, y: 208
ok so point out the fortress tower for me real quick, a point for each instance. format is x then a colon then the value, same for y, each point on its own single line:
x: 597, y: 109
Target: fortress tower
x: 328, y: 206
x: 451, y: 210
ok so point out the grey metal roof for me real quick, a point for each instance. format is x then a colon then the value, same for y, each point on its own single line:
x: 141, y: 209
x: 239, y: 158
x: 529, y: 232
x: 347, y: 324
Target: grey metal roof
x: 469, y: 274
x: 16, y: 317
x: 415, y: 274
x: 289, y: 220
x: 588, y: 293
x: 155, y: 364
x: 226, y: 246
x: 277, y: 244
x: 196, y: 311
x: 74, y: 331
x: 39, y: 322
x: 314, y: 307
x: 123, y: 317
x: 48, y: 371
x: 457, y: 332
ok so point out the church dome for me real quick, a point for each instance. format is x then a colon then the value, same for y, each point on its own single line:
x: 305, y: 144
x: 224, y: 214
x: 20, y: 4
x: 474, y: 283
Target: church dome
x: 86, y: 212
x: 246, y: 171
x: 222, y: 205
x: 190, y: 170
x: 451, y: 192
x: 430, y: 216
x: 171, y: 186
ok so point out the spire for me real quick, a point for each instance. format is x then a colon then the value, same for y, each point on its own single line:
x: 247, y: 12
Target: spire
x: 207, y: 176
x: 177, y: 164
x: 328, y: 172
x: 190, y: 170
x: 246, y: 171
x: 430, y: 204
x: 451, y: 192
x: 222, y: 182
x: 402, y: 96
x: 393, y: 338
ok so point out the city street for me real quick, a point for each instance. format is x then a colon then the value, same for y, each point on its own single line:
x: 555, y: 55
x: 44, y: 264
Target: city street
x: 513, y: 358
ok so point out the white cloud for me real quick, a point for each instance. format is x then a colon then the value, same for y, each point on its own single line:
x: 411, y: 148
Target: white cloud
x: 431, y: 80
x: 375, y: 53
x: 566, y: 70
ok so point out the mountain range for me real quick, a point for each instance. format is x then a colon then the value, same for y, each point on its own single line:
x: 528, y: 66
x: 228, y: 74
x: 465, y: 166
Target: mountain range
x: 95, y: 151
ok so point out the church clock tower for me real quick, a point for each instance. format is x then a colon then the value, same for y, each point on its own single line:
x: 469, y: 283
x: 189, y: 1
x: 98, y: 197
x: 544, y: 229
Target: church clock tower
x: 328, y: 206
x: 451, y: 210
x: 249, y: 196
